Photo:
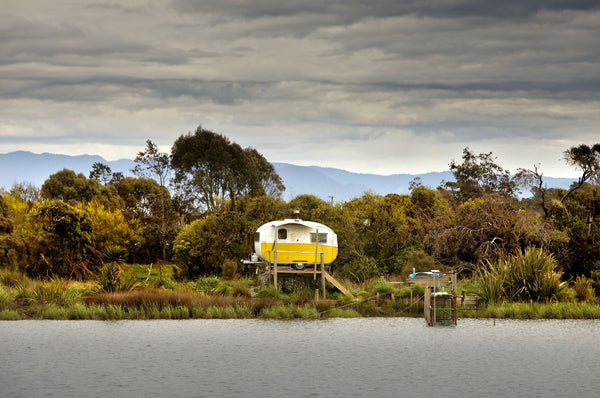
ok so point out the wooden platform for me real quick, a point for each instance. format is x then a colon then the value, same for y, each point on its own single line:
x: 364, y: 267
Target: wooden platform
x: 312, y: 269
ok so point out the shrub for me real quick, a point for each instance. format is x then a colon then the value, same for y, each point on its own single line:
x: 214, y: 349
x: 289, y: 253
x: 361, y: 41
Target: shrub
x: 56, y: 291
x: 207, y: 284
x: 268, y: 291
x: 528, y: 275
x: 229, y: 269
x: 584, y: 289
x: 4, y: 299
x: 112, y: 279
x: 361, y: 269
x: 14, y: 278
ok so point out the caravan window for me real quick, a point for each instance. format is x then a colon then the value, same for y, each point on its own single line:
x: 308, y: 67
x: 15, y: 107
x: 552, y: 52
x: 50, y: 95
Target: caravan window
x: 282, y: 233
x: 322, y: 237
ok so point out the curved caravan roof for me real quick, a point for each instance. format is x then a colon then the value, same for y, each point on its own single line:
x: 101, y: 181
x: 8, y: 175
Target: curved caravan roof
x: 310, y: 224
x: 295, y: 241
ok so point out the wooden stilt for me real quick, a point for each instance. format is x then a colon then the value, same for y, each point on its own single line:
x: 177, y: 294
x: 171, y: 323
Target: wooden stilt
x: 275, y: 269
x: 323, y: 276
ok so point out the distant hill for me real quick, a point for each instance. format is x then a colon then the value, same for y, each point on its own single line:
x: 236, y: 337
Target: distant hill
x: 28, y: 167
x: 324, y: 182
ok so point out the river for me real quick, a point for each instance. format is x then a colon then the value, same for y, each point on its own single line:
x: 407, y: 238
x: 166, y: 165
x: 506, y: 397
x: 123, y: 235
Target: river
x: 364, y: 357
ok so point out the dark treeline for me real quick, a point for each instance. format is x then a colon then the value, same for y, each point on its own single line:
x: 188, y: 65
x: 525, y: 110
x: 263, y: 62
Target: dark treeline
x: 199, y: 206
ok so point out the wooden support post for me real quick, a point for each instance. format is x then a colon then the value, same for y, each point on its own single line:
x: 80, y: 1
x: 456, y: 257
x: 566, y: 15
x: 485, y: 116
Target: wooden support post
x: 316, y: 294
x: 316, y: 254
x: 323, y: 277
x: 275, y: 269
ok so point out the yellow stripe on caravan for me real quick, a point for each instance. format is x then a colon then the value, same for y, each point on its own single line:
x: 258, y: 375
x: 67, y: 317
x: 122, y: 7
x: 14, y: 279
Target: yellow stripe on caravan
x: 288, y: 253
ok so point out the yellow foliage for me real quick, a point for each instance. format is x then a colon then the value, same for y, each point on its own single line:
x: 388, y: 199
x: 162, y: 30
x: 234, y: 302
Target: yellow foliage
x: 110, y: 226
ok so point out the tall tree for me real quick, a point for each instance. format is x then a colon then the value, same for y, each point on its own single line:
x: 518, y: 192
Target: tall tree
x: 151, y: 163
x: 101, y: 173
x: 478, y: 175
x: 585, y: 158
x: 209, y: 168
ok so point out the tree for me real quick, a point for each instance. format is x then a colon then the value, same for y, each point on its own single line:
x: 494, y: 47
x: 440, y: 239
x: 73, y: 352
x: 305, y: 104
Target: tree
x: 110, y: 228
x: 266, y: 181
x: 478, y: 175
x: 65, y: 241
x: 205, y: 244
x: 67, y: 186
x: 144, y: 199
x: 210, y: 169
x: 153, y: 164
x: 101, y: 173
x: 585, y: 158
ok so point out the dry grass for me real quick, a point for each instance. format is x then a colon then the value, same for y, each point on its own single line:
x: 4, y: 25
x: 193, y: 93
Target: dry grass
x: 159, y: 298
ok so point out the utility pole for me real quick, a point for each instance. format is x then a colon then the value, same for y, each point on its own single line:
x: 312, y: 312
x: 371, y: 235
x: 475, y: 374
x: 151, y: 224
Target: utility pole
x: 331, y: 199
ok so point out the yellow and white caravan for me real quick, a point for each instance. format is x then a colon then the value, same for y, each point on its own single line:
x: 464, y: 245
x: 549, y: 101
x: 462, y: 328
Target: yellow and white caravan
x: 295, y: 242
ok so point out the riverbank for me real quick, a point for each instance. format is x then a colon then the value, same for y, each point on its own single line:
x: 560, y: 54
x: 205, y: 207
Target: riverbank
x: 22, y: 298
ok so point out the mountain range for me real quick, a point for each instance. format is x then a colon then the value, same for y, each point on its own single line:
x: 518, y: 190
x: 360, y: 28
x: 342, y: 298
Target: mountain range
x: 327, y: 183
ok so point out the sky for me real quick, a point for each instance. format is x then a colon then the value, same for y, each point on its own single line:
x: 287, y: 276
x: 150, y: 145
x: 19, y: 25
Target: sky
x: 379, y: 86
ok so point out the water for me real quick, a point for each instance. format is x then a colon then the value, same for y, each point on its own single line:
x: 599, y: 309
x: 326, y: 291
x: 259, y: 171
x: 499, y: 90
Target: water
x: 386, y: 357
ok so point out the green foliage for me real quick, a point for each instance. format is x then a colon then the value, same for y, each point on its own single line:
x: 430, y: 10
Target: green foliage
x: 210, y: 169
x: 529, y: 275
x: 584, y: 289
x: 111, y: 278
x: 229, y: 269
x: 207, y: 284
x: 478, y: 175
x: 114, y: 253
x: 418, y: 261
x: 269, y: 291
x: 5, y: 299
x: 202, y: 246
x: 65, y: 242
x: 55, y: 291
x: 67, y: 186
x: 360, y: 269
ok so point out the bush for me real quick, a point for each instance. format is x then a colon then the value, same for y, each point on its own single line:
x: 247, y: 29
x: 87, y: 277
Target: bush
x: 207, y: 284
x: 229, y: 269
x: 361, y: 269
x: 528, y: 275
x: 112, y: 279
x: 5, y: 299
x: 584, y: 289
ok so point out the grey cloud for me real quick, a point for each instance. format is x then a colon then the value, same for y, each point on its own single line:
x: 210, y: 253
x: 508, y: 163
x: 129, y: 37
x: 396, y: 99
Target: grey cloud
x: 353, y: 10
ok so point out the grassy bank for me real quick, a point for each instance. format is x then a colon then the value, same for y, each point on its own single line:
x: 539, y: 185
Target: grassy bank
x: 215, y: 298
x: 205, y: 298
x: 571, y: 310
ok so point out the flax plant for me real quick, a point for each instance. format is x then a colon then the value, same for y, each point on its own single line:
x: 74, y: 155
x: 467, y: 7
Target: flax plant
x: 528, y: 275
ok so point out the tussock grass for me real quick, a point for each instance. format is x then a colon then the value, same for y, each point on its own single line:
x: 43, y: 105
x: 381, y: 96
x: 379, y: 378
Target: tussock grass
x: 5, y: 299
x: 10, y: 315
x: 536, y: 310
x: 342, y: 313
x: 584, y: 288
x: 14, y: 279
